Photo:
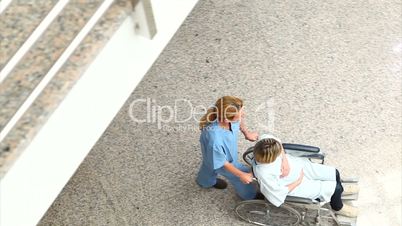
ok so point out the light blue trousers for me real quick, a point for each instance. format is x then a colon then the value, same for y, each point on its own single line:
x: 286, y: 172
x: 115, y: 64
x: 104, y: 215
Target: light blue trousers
x: 207, y: 178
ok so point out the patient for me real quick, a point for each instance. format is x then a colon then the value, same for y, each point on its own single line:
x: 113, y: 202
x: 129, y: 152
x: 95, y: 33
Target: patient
x: 281, y: 174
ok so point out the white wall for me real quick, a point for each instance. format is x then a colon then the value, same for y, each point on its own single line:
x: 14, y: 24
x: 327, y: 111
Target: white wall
x: 37, y: 177
x: 4, y: 4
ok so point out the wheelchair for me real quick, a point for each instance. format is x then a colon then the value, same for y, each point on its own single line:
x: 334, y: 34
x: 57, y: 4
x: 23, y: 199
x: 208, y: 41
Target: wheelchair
x: 295, y: 210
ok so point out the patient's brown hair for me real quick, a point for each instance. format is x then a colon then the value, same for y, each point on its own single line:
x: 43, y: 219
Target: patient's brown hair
x: 267, y: 150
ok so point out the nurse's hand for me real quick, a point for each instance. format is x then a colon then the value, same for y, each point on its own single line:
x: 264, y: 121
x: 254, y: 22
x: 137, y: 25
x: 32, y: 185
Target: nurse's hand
x: 251, y: 136
x: 246, y: 178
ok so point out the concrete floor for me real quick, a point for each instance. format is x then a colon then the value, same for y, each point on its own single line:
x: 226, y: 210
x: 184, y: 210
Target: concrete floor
x: 326, y: 74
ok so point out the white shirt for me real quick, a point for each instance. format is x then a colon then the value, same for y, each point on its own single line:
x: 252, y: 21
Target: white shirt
x: 319, y: 180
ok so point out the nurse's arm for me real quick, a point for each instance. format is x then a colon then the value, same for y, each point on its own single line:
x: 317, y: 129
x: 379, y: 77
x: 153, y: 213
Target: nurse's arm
x: 251, y: 136
x: 246, y: 178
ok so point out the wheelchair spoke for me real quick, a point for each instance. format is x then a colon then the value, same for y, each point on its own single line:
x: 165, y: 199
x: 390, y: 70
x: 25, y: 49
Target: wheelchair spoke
x: 260, y: 212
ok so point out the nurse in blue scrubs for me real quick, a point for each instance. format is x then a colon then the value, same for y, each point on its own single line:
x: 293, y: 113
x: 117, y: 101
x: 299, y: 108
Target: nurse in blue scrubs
x: 220, y: 127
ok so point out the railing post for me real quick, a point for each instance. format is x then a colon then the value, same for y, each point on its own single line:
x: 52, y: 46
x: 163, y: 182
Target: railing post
x: 143, y: 17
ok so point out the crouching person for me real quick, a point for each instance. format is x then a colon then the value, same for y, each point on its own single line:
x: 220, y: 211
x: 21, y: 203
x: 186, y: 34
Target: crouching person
x: 220, y: 127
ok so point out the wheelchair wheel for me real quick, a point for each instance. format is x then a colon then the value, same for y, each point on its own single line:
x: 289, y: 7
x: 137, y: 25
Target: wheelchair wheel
x: 261, y: 212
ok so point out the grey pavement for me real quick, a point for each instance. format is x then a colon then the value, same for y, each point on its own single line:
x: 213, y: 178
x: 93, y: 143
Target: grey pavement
x: 313, y: 72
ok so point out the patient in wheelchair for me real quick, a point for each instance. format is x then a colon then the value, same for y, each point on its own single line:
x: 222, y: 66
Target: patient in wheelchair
x: 280, y: 174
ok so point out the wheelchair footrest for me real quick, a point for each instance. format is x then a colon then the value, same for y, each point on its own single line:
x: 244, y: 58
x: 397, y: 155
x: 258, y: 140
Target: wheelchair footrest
x: 345, y: 223
x: 350, y: 197
x: 350, y: 180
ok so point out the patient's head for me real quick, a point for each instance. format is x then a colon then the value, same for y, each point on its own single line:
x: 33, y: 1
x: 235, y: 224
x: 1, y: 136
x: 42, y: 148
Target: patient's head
x: 267, y: 150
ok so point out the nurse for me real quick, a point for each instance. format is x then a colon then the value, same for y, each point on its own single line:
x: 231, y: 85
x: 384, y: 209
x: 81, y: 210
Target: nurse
x: 220, y: 127
x: 280, y: 174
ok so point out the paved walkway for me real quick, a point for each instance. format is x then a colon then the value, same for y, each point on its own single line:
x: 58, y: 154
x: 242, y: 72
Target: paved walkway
x: 326, y: 74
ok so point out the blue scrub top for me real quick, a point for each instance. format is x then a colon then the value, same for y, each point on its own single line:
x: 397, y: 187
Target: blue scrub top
x: 219, y: 145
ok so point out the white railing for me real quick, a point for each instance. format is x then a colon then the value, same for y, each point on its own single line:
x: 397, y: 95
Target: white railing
x: 36, y: 34
x: 55, y: 68
x: 43, y: 169
x: 3, y: 5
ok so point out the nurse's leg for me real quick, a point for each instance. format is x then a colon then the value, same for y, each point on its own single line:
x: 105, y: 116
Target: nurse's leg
x: 206, y: 178
x: 245, y: 191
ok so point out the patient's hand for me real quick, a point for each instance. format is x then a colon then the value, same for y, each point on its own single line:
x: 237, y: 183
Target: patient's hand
x: 297, y: 182
x: 300, y: 179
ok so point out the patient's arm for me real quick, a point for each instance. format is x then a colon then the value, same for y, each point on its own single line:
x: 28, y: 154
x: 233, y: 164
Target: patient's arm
x: 296, y: 183
x: 285, y: 168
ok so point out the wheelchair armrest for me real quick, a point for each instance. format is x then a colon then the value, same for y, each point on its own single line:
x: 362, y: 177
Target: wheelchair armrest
x: 301, y: 147
x: 294, y: 199
x: 319, y: 156
x: 298, y: 150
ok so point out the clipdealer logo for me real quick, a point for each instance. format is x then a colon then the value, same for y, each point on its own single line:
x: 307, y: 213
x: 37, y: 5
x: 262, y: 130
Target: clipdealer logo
x: 184, y: 111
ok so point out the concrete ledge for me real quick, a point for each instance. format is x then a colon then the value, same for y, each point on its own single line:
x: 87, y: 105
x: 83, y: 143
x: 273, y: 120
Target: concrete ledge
x: 18, y: 20
x: 42, y: 170
x: 15, y: 93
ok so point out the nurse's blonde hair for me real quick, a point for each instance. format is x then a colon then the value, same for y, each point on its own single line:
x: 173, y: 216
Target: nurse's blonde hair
x: 267, y: 150
x: 225, y: 107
